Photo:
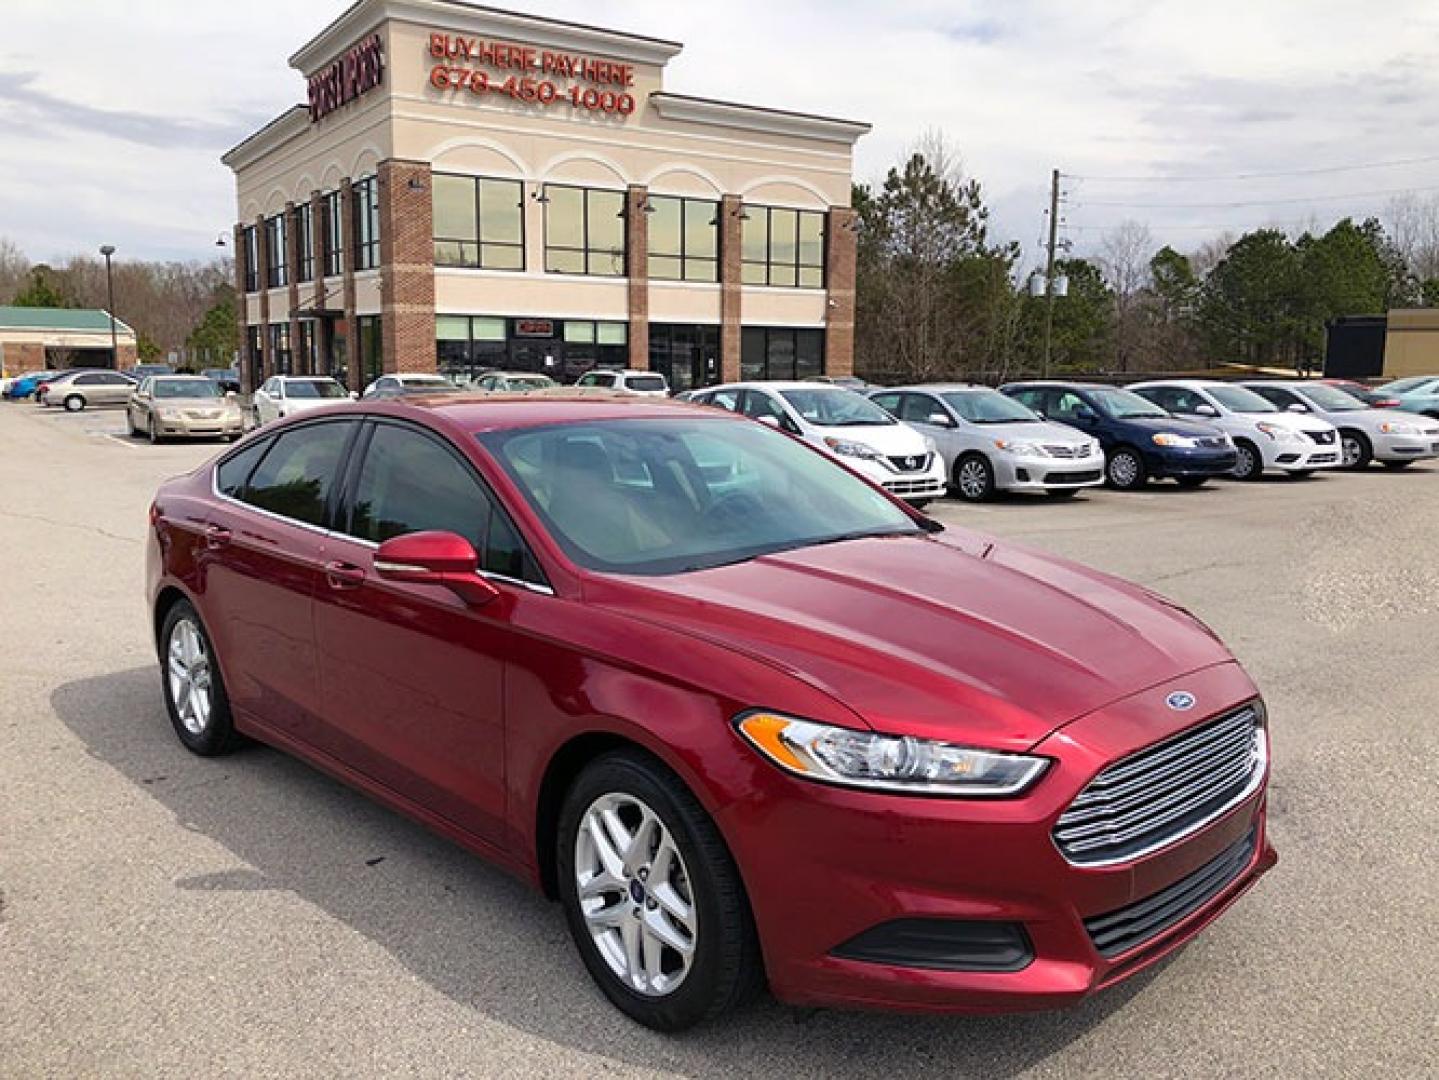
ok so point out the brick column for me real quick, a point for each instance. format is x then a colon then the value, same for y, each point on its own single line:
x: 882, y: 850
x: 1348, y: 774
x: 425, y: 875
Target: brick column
x: 839, y: 272
x: 319, y: 240
x: 292, y: 275
x: 262, y: 256
x: 242, y: 309
x: 355, y: 377
x: 637, y: 249
x: 731, y: 289
x: 407, y: 266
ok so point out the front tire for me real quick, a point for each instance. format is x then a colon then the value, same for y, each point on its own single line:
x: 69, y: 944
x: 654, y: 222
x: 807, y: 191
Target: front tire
x: 1357, y: 451
x: 1250, y: 465
x: 74, y: 403
x: 652, y: 897
x: 154, y: 432
x: 1125, y: 470
x: 194, y: 690
x: 974, y: 478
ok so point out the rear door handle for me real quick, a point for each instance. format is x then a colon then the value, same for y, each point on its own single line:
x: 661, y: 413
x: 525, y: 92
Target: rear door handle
x: 343, y: 575
x: 216, y: 536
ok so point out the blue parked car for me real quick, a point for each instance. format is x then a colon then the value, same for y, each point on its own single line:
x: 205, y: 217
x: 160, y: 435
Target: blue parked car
x: 1418, y: 393
x: 1141, y: 441
x: 25, y: 386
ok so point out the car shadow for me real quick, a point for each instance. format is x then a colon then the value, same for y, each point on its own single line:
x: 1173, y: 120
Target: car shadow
x: 484, y: 939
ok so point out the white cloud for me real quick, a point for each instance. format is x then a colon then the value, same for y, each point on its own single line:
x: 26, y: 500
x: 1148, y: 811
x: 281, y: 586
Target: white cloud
x: 115, y: 115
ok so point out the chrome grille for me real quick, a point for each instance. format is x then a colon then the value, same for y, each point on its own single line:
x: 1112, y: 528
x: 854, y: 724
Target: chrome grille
x: 1061, y: 450
x: 1165, y: 791
x: 910, y: 463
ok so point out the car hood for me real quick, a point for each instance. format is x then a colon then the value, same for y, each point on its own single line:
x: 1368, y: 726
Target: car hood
x: 1171, y: 425
x: 1046, y: 431
x: 1297, y: 421
x: 955, y: 637
x: 894, y: 439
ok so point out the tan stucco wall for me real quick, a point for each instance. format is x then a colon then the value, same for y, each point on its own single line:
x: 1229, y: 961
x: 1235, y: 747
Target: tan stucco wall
x: 1411, y: 345
x: 64, y: 339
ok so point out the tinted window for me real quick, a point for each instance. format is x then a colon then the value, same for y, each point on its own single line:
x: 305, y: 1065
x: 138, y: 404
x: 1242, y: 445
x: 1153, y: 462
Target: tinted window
x: 410, y: 482
x: 888, y: 402
x: 232, y: 473
x: 988, y: 407
x: 831, y: 406
x: 1124, y: 405
x: 918, y: 408
x: 648, y: 383
x: 1240, y: 400
x: 295, y: 478
x: 313, y: 388
x: 757, y: 405
x: 1031, y: 398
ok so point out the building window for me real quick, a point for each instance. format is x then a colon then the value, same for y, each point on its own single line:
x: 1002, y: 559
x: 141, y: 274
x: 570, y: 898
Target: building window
x: 684, y: 239
x: 370, y: 349
x: 276, y: 271
x: 595, y: 344
x: 367, y: 223
x: 468, y: 346
x: 280, y: 360
x: 687, y: 356
x: 251, y: 241
x: 305, y: 239
x: 478, y: 222
x: 584, y: 231
x: 784, y: 248
x: 255, y: 346
x: 334, y: 234
x: 780, y: 353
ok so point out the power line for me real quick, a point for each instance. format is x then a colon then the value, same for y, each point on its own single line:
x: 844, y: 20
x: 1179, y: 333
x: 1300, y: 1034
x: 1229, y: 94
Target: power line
x: 1236, y: 177
x: 1255, y: 202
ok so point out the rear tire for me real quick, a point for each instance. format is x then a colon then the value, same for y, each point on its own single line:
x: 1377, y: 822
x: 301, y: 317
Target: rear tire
x: 974, y: 478
x: 1125, y: 470
x: 1250, y: 465
x: 194, y: 690
x: 655, y: 813
x: 1356, y: 449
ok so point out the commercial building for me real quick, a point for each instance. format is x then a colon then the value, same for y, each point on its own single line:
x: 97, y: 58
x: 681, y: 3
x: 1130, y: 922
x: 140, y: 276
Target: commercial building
x: 469, y: 188
x: 1403, y: 342
x: 37, y: 339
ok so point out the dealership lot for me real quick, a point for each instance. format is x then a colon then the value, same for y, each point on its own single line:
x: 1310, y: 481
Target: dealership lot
x: 165, y: 915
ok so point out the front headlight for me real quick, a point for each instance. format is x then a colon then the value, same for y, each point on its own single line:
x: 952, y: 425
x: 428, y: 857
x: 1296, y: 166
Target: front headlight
x: 1165, y: 438
x: 1390, y: 427
x: 1280, y: 433
x: 850, y: 448
x: 1021, y: 448
x: 865, y: 759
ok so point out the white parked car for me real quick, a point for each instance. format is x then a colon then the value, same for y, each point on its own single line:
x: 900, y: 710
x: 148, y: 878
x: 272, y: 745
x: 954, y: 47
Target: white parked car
x: 1265, y: 437
x: 989, y: 442
x: 846, y: 425
x: 404, y: 385
x: 648, y: 383
x: 284, y: 395
x: 513, y: 382
x: 1386, y: 435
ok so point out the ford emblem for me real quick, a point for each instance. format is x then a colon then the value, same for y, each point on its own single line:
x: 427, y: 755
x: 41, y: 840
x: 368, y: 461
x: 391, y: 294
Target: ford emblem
x: 1180, y: 701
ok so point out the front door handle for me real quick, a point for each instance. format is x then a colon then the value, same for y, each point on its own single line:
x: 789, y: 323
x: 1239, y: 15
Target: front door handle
x: 216, y: 537
x: 343, y: 575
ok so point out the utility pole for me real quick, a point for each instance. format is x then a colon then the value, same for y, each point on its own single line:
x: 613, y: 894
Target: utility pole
x: 107, y: 251
x: 1049, y: 266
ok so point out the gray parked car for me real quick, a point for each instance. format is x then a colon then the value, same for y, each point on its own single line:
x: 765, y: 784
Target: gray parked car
x: 1390, y: 436
x: 83, y: 387
x: 991, y: 442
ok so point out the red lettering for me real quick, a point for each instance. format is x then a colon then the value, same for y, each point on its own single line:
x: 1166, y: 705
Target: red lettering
x: 439, y: 44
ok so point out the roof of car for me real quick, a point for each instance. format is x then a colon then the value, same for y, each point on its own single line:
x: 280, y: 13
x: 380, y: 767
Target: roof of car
x: 931, y: 388
x: 489, y: 412
x: 777, y: 384
x: 1191, y: 384
x: 1069, y: 384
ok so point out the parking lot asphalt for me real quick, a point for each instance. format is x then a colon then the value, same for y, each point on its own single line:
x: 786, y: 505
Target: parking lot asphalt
x: 162, y: 915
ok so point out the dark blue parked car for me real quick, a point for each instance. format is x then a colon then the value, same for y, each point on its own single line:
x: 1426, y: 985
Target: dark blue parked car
x: 1141, y: 441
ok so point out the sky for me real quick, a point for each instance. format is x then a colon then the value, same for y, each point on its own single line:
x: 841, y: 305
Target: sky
x: 114, y: 113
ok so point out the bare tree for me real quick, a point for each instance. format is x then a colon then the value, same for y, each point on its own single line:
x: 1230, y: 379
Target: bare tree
x: 1413, y: 225
x: 1124, y: 255
x: 1211, y: 253
x: 13, y: 268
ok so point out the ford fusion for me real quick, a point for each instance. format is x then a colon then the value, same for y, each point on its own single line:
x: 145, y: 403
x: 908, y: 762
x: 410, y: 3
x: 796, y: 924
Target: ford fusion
x: 750, y: 719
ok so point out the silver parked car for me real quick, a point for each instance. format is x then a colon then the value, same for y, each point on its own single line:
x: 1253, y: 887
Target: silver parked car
x: 184, y: 406
x: 991, y: 442
x: 83, y: 387
x: 1390, y: 436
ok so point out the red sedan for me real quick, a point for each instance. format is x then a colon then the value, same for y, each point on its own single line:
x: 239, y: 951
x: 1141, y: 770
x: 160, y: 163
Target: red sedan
x: 750, y: 719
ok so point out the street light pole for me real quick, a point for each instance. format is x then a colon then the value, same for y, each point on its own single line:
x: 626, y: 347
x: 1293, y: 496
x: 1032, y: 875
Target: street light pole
x: 1049, y: 267
x: 107, y: 251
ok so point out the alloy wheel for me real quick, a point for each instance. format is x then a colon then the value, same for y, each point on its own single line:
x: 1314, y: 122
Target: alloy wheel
x: 1246, y: 466
x: 1124, y: 470
x: 188, y: 667
x: 635, y: 894
x: 973, y: 479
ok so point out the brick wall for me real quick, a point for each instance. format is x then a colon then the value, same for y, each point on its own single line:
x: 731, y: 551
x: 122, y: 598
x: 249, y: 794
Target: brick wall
x: 128, y: 357
x: 637, y: 247
x: 840, y: 257
x: 407, y: 266
x: 731, y: 290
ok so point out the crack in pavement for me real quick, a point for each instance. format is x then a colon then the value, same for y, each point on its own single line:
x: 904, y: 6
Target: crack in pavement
x: 71, y: 525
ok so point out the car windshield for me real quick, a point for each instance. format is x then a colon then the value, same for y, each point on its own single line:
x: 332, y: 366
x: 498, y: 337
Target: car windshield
x: 646, y: 382
x: 425, y: 382
x: 671, y: 496
x: 1126, y: 405
x: 1237, y: 399
x: 313, y: 388
x: 1331, y: 399
x: 836, y: 407
x: 185, y: 388
x: 989, y: 407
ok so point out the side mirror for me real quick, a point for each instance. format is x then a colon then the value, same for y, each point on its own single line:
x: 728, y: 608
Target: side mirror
x: 939, y: 419
x: 1204, y: 409
x: 436, y: 558
x: 1296, y: 407
x: 770, y: 421
x: 230, y: 394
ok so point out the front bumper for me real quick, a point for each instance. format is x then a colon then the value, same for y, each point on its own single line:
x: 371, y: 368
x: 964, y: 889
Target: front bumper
x: 826, y: 865
x: 927, y: 482
x: 199, y: 428
x: 1303, y: 456
x: 1405, y: 447
x: 1177, y: 463
x: 1025, y: 472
